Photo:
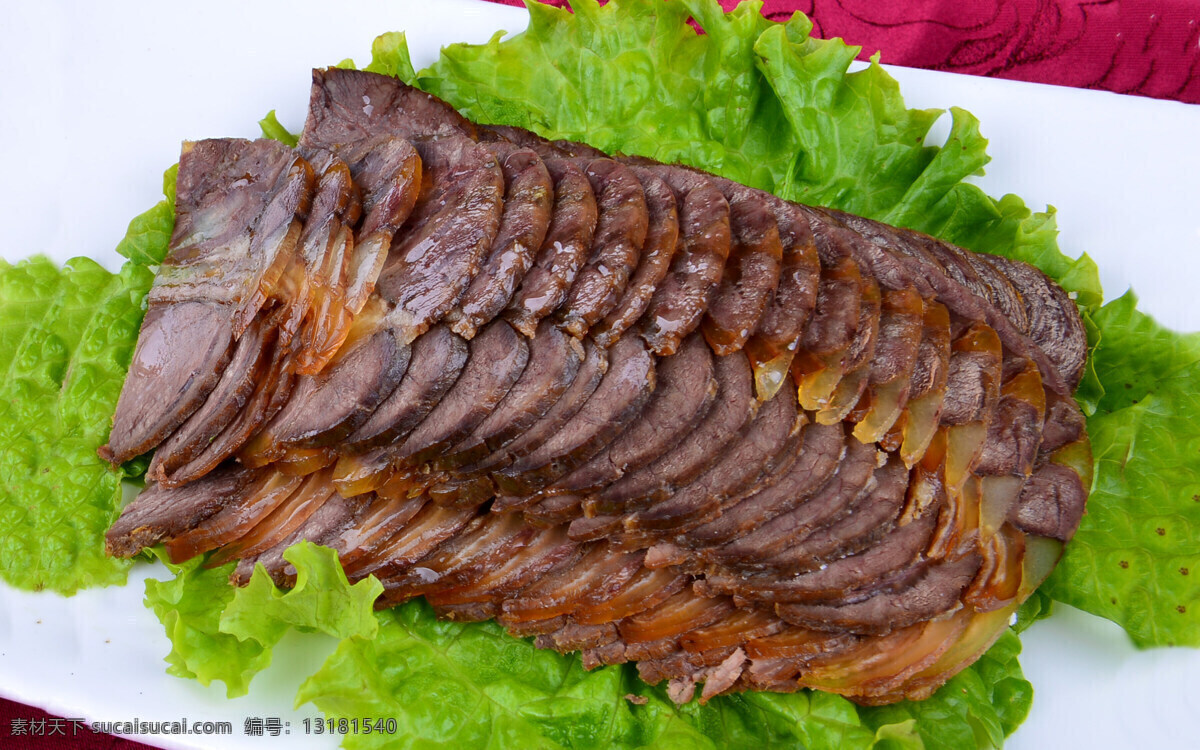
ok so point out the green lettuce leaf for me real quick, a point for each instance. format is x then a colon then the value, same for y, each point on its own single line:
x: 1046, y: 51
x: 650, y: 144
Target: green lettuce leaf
x: 66, y: 337
x: 189, y: 606
x: 471, y: 685
x: 271, y: 128
x: 219, y: 632
x: 1136, y: 556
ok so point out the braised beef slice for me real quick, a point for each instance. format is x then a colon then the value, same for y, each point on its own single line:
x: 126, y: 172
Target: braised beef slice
x: 733, y: 408
x: 159, y: 513
x: 564, y: 250
x: 1051, y: 503
x: 437, y: 361
x: 937, y: 591
x: 528, y: 202
x: 497, y: 358
x: 682, y: 297
x: 554, y: 361
x: 1054, y: 322
x: 621, y: 226
x: 751, y: 273
x: 662, y: 237
x: 685, y: 391
x: 347, y: 106
x: 587, y: 379
x: 439, y: 250
x: 744, y: 464
x: 624, y: 390
x: 324, y: 409
x: 831, y: 502
x: 822, y: 450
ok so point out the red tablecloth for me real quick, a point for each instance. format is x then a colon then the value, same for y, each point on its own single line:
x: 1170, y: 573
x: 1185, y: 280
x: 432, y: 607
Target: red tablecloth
x: 1145, y: 47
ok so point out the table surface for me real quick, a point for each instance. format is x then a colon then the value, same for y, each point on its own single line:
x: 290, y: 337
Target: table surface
x: 103, y: 97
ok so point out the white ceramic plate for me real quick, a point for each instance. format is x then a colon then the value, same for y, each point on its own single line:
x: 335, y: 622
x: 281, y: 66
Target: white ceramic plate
x: 98, y: 97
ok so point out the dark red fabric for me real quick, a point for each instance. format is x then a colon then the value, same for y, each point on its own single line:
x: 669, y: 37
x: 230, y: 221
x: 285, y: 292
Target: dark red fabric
x: 28, y: 728
x: 1145, y: 47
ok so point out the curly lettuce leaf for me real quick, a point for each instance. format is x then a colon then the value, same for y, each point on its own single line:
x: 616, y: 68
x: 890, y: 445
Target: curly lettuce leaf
x: 66, y: 337
x: 189, y: 606
x: 472, y: 685
x: 219, y: 632
x: 1136, y: 556
x: 321, y: 601
x: 272, y: 128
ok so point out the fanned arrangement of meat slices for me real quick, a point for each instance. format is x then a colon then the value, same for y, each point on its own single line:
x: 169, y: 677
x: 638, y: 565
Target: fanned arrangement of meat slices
x: 632, y: 409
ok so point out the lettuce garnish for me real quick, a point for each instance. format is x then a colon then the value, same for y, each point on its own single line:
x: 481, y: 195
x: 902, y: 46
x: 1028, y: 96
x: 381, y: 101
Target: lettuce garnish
x: 452, y: 684
x: 762, y: 103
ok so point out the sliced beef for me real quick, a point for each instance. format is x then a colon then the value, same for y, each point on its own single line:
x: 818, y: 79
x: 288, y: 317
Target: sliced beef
x: 547, y: 549
x: 1051, y: 503
x: 270, y: 394
x: 734, y: 408
x: 831, y: 502
x: 773, y: 344
x: 823, y: 447
x: 682, y: 297
x: 388, y: 173
x: 325, y: 408
x: 601, y: 567
x: 238, y: 214
x: 856, y: 362
x: 751, y: 272
x: 936, y: 592
x: 589, y: 376
x: 871, y: 515
x: 1054, y: 322
x: 899, y: 340
x: 497, y: 358
x: 348, y: 106
x: 314, y: 283
x: 686, y: 387
x: 528, y: 202
x: 890, y: 378
x: 421, y: 535
x: 437, y: 360
x: 554, y: 361
x: 564, y: 250
x: 662, y: 237
x: 159, y: 513
x: 1064, y: 423
x: 621, y: 226
x: 380, y: 521
x: 1001, y: 291
x: 260, y: 535
x: 624, y: 390
x: 973, y: 378
x: 181, y: 352
x: 485, y: 544
x: 1015, y: 430
x: 772, y: 436
x: 250, y: 360
x: 441, y: 246
x: 238, y: 211
x: 329, y: 519
x: 839, y: 296
x: 892, y: 564
x: 240, y: 514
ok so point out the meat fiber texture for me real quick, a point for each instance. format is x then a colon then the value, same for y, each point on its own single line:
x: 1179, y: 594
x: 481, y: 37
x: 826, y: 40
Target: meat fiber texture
x: 632, y: 409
